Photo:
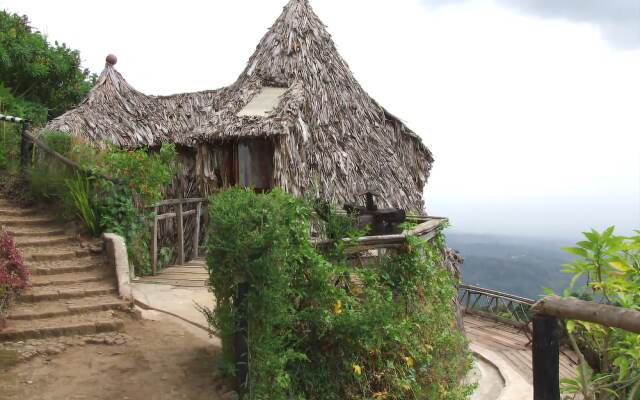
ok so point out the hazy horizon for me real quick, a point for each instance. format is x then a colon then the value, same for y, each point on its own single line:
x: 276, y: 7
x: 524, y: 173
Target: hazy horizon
x: 530, y: 107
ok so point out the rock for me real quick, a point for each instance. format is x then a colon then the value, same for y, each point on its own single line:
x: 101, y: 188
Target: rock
x: 52, y: 350
x: 95, y: 248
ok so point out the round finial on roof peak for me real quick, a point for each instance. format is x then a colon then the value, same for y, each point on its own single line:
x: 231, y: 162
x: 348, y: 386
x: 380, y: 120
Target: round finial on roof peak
x: 112, y: 59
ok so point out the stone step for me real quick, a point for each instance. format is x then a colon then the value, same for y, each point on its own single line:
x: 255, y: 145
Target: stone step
x: 50, y: 309
x: 34, y: 232
x: 68, y: 325
x: 44, y: 241
x: 16, y: 212
x: 74, y: 291
x: 57, y: 254
x: 70, y: 278
x: 27, y: 221
x: 174, y: 282
x: 82, y: 264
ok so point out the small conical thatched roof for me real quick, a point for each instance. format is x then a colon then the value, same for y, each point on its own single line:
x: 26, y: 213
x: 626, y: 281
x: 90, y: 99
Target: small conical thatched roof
x: 330, y: 136
x: 114, y: 111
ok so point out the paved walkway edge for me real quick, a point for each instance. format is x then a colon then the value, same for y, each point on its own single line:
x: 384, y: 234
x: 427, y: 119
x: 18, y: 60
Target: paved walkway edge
x: 146, y: 306
x: 515, y: 387
x: 116, y: 250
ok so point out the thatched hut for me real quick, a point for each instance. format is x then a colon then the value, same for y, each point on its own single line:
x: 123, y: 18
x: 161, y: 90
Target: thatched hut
x: 296, y: 118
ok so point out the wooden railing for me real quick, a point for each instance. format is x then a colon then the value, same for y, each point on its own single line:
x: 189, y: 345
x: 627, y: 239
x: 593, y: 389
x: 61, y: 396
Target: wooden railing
x: 27, y: 140
x: 179, y: 215
x: 546, y: 335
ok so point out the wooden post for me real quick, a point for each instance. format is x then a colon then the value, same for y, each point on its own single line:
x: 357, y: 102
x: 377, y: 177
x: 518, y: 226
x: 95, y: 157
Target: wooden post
x: 180, y: 222
x: 24, y: 147
x: 240, y: 345
x: 154, y: 241
x: 196, y: 236
x: 546, y: 358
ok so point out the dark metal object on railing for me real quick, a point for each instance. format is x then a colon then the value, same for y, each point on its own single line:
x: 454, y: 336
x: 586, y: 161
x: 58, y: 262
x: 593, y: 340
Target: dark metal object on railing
x: 382, y: 221
x: 501, y: 307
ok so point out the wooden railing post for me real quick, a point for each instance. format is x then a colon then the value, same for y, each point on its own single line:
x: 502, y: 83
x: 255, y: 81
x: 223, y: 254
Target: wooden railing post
x: 154, y: 242
x: 546, y: 358
x: 24, y: 147
x: 180, y: 222
x: 196, y: 236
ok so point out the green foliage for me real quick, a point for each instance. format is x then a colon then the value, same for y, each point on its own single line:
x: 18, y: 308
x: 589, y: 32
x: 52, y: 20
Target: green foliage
x: 145, y: 173
x: 610, y: 357
x: 320, y: 329
x: 47, y: 79
x: 141, y: 177
x: 165, y: 255
x: 79, y: 188
x: 137, y: 180
x: 4, y: 162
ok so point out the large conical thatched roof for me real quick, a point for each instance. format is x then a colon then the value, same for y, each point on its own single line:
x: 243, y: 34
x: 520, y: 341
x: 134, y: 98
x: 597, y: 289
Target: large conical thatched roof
x: 331, y: 137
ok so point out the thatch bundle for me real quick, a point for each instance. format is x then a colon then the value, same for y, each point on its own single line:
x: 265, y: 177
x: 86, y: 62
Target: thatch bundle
x: 330, y: 137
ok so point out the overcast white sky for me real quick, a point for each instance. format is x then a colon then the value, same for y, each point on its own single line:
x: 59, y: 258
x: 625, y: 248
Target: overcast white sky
x: 531, y: 107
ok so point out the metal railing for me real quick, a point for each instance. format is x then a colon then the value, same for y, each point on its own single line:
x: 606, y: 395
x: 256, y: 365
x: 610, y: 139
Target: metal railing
x: 498, y: 306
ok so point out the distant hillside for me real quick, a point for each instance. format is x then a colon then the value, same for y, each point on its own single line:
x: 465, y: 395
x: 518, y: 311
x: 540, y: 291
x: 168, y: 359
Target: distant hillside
x: 516, y: 265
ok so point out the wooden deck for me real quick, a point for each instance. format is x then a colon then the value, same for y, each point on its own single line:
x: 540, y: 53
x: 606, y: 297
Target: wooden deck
x: 512, y: 345
x: 192, y: 274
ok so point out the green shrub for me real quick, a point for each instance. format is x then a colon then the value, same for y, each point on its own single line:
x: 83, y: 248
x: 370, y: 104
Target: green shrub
x: 3, y: 157
x: 59, y: 142
x: 140, y: 178
x: 609, y: 357
x: 317, y: 327
x: 136, y: 180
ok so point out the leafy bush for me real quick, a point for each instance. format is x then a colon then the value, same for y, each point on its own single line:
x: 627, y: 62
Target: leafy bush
x: 140, y: 178
x: 136, y: 179
x: 45, y: 78
x: 47, y: 175
x: 610, y: 357
x: 3, y: 157
x: 317, y: 327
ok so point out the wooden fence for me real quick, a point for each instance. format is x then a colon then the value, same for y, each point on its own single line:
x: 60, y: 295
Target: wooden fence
x: 179, y: 214
x: 546, y: 336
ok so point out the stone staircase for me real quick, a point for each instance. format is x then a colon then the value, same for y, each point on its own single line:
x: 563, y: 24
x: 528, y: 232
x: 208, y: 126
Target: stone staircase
x: 73, y: 290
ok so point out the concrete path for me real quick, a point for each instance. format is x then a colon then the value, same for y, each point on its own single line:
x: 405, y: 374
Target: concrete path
x: 181, y: 302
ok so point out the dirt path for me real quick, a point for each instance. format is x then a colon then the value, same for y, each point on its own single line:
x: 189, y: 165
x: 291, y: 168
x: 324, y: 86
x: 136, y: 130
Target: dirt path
x: 163, y: 359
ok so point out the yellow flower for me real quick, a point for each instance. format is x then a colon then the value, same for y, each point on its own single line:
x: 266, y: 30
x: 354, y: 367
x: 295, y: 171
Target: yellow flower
x: 337, y: 308
x: 409, y: 361
x: 357, y: 369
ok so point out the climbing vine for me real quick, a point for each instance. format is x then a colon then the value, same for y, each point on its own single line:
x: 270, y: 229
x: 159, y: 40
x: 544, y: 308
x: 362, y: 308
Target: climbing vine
x: 319, y: 328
